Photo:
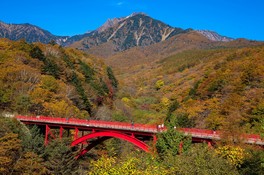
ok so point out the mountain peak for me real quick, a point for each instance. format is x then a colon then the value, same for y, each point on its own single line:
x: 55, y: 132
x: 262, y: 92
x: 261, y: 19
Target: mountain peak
x: 137, y: 13
x: 114, y: 21
x: 109, y: 23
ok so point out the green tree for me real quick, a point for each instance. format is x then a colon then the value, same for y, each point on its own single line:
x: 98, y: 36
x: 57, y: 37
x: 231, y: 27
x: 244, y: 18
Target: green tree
x: 51, y: 68
x: 34, y: 141
x: 5, y: 95
x: 22, y: 103
x: 60, y: 159
x: 174, y: 105
x: 253, y: 164
x: 87, y: 71
x: 172, y: 142
x: 193, y: 90
x: 78, y: 85
x: 182, y: 120
x: 111, y: 77
x: 36, y: 52
x: 201, y: 160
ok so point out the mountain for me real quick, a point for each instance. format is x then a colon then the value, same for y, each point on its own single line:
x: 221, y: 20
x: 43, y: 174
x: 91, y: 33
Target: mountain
x: 213, y: 36
x: 114, y: 36
x: 32, y: 33
x: 29, y: 32
x: 120, y: 34
x: 135, y: 57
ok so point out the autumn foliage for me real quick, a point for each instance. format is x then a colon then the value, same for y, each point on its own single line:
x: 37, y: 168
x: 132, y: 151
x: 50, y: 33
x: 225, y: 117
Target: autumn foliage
x: 50, y: 80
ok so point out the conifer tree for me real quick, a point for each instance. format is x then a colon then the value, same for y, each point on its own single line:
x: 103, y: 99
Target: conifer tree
x: 34, y: 141
x: 60, y: 159
x: 111, y: 77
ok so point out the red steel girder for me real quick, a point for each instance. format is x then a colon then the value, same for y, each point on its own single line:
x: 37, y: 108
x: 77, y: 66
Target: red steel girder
x: 122, y: 136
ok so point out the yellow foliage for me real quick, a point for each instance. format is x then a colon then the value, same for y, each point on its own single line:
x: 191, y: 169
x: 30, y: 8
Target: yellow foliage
x: 159, y: 84
x: 212, y: 103
x: 126, y: 100
x: 61, y: 109
x: 131, y: 166
x: 9, y: 148
x: 234, y: 154
x: 214, y: 120
x: 165, y: 102
x: 193, y: 107
x: 39, y: 95
x: 30, y: 163
x: 50, y: 83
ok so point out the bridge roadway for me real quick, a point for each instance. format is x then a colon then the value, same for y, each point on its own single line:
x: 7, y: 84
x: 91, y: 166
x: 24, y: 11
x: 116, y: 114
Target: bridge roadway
x: 198, y: 135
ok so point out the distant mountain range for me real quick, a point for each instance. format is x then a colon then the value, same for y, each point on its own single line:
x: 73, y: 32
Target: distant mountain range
x: 118, y: 34
x: 29, y: 32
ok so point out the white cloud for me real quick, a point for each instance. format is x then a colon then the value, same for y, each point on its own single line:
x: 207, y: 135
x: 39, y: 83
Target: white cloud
x: 120, y: 3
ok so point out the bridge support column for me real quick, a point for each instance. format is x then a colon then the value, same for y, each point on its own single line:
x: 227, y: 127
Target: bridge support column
x: 154, y: 143
x: 61, y: 132
x: 47, y: 135
x: 154, y: 139
x: 180, y: 147
x: 209, y: 143
x: 76, y: 133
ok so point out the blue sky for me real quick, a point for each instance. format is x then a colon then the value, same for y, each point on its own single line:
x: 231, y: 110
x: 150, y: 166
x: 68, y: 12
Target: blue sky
x: 234, y: 18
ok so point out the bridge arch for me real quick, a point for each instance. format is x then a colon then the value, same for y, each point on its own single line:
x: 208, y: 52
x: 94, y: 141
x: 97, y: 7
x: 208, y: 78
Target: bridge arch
x: 102, y: 136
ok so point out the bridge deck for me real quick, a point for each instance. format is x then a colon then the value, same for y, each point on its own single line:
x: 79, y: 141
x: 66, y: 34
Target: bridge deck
x: 88, y: 125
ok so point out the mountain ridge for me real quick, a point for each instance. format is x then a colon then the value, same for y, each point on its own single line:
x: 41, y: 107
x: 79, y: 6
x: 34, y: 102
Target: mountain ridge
x: 135, y: 35
x: 213, y: 36
x: 31, y: 33
x: 124, y: 33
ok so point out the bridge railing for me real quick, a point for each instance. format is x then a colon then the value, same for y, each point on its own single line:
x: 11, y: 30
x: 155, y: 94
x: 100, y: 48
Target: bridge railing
x: 210, y: 134
x: 94, y: 123
x: 204, y: 133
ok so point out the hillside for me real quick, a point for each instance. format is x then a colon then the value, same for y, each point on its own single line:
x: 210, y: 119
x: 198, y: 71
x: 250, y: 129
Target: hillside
x: 215, y: 88
x: 39, y: 79
x: 134, y: 58
x: 205, y: 88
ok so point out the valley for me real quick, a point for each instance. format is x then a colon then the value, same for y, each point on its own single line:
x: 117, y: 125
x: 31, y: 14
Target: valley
x: 131, y: 69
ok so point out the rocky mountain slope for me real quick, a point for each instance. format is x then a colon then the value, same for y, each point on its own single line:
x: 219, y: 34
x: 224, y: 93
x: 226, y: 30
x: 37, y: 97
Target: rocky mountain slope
x: 30, y: 33
x: 213, y: 36
x: 120, y: 34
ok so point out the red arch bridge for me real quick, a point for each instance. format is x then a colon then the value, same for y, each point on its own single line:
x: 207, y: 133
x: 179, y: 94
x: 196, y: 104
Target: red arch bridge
x: 136, y: 134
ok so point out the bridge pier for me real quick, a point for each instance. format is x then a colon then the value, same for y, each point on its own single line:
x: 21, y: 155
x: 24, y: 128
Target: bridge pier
x: 180, y: 147
x: 47, y: 135
x: 76, y: 131
x: 61, y: 132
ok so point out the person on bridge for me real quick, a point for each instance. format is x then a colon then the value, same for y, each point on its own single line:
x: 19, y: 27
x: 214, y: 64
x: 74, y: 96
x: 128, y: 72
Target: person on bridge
x: 132, y: 124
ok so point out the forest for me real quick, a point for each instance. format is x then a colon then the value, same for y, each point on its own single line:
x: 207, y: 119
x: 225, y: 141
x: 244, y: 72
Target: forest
x: 218, y: 89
